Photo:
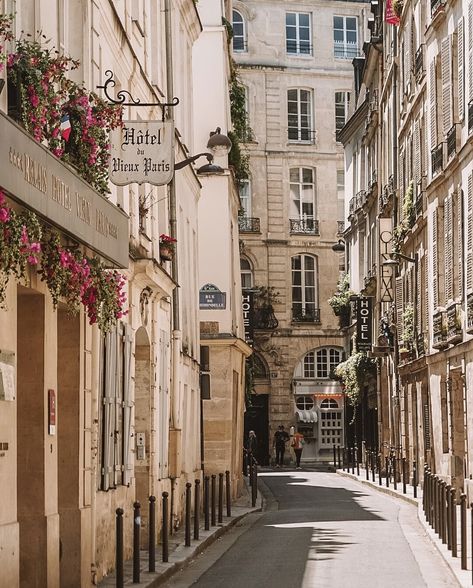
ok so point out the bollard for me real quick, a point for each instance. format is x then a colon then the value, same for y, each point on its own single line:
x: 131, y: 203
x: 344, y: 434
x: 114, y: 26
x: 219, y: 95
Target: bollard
x: 136, y: 541
x: 436, y: 504
x: 220, y: 498
x: 463, y: 530
x: 188, y: 515
x: 213, y: 492
x: 119, y: 548
x: 228, y: 491
x: 165, y: 538
x: 152, y: 534
x: 367, y: 464
x: 357, y: 461
x: 440, y: 507
x: 334, y: 457
x: 394, y: 462
x: 171, y: 506
x: 414, y: 477
x: 245, y: 462
x: 254, y: 488
x: 373, y: 466
x: 448, y: 516
x: 206, y: 503
x: 352, y: 460
x: 343, y: 458
x: 380, y: 481
x: 196, y: 509
x: 443, y: 511
x: 339, y: 460
x: 453, y: 514
x: 404, y: 481
x: 424, y: 495
x: 386, y: 463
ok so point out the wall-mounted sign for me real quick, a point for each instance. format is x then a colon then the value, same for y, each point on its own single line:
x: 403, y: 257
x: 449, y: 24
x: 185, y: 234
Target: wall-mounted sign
x: 142, y: 152
x: 386, y: 283
x: 364, y: 323
x: 247, y: 303
x: 211, y: 298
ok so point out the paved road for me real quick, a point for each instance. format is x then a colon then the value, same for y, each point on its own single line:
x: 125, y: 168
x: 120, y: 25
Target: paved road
x: 321, y: 530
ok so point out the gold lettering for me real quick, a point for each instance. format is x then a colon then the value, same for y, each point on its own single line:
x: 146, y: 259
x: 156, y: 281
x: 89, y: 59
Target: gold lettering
x: 83, y: 208
x: 35, y: 174
x: 61, y: 193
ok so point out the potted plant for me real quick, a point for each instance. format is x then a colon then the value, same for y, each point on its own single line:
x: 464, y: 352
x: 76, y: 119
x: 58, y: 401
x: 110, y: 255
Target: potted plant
x: 166, y: 247
x: 398, y: 5
x: 340, y: 301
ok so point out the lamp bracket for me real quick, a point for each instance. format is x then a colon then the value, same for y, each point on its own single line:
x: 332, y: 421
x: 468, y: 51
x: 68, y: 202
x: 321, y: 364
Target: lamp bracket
x: 123, y: 95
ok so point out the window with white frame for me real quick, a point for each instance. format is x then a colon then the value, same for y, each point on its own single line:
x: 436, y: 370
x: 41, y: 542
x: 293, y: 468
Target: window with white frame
x: 345, y: 37
x: 302, y: 189
x: 304, y: 402
x: 246, y: 273
x: 331, y: 425
x: 245, y: 197
x: 299, y: 115
x: 342, y: 103
x: 298, y: 33
x: 239, y: 32
x: 304, y: 291
x: 321, y: 363
x: 341, y: 194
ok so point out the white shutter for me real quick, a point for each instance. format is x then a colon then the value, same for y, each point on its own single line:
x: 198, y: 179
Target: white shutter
x: 433, y: 104
x: 418, y: 301
x: 408, y: 56
x: 127, y: 405
x: 425, y: 290
x: 446, y: 72
x: 118, y: 413
x: 417, y: 154
x: 469, y: 236
x: 402, y: 167
x: 448, y: 248
x: 109, y: 357
x: 163, y: 415
x: 459, y: 242
x: 399, y: 307
x: 461, y: 69
x: 435, y: 262
x: 470, y: 50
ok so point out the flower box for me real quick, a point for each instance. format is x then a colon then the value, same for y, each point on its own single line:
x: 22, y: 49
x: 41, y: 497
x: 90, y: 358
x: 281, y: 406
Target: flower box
x: 166, y: 253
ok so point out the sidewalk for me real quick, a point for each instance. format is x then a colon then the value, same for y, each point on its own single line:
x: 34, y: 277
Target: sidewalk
x: 179, y: 554
x: 464, y: 577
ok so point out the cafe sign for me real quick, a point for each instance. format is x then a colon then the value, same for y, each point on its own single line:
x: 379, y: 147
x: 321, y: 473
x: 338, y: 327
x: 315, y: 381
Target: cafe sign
x: 142, y: 151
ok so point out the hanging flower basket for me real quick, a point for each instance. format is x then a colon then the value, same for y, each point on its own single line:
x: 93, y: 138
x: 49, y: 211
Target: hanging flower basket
x: 167, y: 245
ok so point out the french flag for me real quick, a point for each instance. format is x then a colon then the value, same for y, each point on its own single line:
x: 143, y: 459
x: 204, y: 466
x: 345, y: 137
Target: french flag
x: 65, y: 127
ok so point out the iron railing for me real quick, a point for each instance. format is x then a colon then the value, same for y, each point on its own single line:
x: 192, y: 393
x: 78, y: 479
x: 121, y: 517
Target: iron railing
x: 419, y: 62
x: 436, y: 6
x: 340, y: 227
x: 437, y: 159
x: 248, y: 224
x: 304, y: 226
x: 451, y: 142
x: 470, y: 116
x: 305, y: 315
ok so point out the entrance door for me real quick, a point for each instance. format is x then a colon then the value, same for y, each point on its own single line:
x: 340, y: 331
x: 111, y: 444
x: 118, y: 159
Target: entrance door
x: 256, y: 419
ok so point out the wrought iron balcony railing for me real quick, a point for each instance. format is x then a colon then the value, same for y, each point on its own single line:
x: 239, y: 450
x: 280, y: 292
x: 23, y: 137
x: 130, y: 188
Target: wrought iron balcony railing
x: 304, y: 226
x: 469, y: 313
x: 470, y: 116
x: 248, y: 224
x: 419, y: 62
x: 358, y: 201
x: 454, y: 325
x: 305, y: 315
x: 437, y: 159
x: 436, y: 6
x: 439, y: 331
x: 451, y: 142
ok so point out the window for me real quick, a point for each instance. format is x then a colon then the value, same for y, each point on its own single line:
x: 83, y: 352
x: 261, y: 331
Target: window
x: 345, y: 37
x: 342, y: 102
x: 301, y: 185
x: 321, y: 363
x: 299, y: 115
x: 304, y: 303
x: 246, y: 273
x: 304, y: 402
x: 331, y: 427
x: 245, y: 197
x: 239, y: 32
x: 298, y: 33
x: 341, y: 196
x: 329, y: 403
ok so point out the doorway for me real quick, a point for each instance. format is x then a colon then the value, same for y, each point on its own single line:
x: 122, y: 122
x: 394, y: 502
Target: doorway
x: 256, y: 419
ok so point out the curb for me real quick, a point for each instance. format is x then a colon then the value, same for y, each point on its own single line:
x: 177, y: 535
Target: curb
x: 383, y: 489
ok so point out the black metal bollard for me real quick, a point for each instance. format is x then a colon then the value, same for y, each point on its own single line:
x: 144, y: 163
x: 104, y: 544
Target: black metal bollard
x: 352, y: 460
x: 436, y: 504
x: 245, y: 462
x: 424, y: 495
x: 386, y: 461
x: 220, y: 498
x: 254, y: 487
x: 367, y: 464
x: 404, y: 476
x: 196, y: 509
x: 119, y: 548
x: 152, y: 535
x: 339, y: 456
x: 213, y: 492
x: 448, y: 516
x: 414, y: 477
x: 188, y: 515
x: 357, y: 461
x: 343, y: 458
x: 334, y: 457
x: 380, y: 481
x: 394, y: 462
x: 206, y: 503
x: 136, y: 541
x: 165, y: 538
x: 228, y: 491
x: 471, y: 535
x: 373, y: 466
x: 443, y: 494
x: 463, y: 531
x: 453, y: 514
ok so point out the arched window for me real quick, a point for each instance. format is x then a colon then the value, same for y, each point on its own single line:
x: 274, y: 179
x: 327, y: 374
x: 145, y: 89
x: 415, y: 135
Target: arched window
x: 321, y: 363
x: 259, y: 367
x: 329, y: 403
x: 246, y: 272
x: 239, y: 32
x: 304, y: 290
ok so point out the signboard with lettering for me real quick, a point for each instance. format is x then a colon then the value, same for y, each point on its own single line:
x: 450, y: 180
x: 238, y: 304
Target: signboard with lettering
x: 34, y: 178
x: 142, y: 151
x: 211, y: 298
x: 364, y: 323
x: 247, y: 303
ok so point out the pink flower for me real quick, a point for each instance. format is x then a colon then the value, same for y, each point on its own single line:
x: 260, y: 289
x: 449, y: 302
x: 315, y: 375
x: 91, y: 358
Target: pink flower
x: 4, y: 215
x: 24, y: 236
x: 34, y: 101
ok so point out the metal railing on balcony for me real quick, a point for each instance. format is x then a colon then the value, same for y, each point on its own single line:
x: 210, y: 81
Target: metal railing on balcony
x: 304, y: 226
x: 454, y: 325
x: 419, y: 62
x: 419, y: 203
x: 439, y: 330
x: 305, y: 315
x: 436, y: 6
x: 248, y: 224
x: 451, y: 142
x: 358, y: 201
x: 437, y: 159
x: 469, y: 313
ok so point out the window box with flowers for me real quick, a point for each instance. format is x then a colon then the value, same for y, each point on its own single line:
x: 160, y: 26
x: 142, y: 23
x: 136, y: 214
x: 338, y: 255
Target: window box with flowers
x: 167, y: 247
x: 341, y: 301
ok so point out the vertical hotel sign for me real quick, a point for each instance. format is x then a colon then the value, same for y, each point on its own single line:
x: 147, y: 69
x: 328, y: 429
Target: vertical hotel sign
x: 364, y: 323
x: 142, y: 151
x: 247, y: 303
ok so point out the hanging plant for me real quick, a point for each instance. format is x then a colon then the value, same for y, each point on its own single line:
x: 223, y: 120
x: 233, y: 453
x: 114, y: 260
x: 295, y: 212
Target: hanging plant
x: 340, y: 301
x: 398, y: 5
x: 353, y: 373
x: 408, y: 209
x: 408, y: 327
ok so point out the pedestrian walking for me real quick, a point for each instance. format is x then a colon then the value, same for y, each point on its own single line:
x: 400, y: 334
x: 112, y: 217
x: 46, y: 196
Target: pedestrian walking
x: 251, y: 446
x: 281, y: 437
x: 298, y: 445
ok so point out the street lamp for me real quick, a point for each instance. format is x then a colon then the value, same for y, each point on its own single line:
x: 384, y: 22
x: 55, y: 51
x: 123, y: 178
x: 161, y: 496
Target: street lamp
x: 339, y: 247
x: 219, y: 144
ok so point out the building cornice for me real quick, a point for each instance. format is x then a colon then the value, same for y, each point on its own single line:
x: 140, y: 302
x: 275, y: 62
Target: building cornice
x: 354, y: 122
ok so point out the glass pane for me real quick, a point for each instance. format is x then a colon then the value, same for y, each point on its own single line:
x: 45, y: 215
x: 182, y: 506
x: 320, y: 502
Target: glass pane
x: 291, y: 18
x: 308, y: 210
x: 244, y: 264
x: 296, y: 294
x: 350, y: 23
x: 296, y: 262
x: 351, y: 37
x: 338, y: 36
x: 292, y: 95
x: 309, y: 262
x: 304, y: 20
x: 307, y: 175
x: 238, y: 44
x: 294, y: 174
x: 338, y: 22
x: 237, y: 18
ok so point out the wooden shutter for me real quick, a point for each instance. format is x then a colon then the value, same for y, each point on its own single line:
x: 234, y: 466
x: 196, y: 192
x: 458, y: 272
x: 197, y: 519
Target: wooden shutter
x: 425, y: 289
x: 399, y: 306
x: 118, y: 433
x: 461, y: 69
x: 127, y: 404
x: 418, y: 302
x: 435, y: 262
x: 446, y: 72
x: 426, y: 414
x: 448, y: 247
x: 408, y: 55
x: 402, y: 167
x: 469, y: 236
x: 459, y: 242
x: 417, y: 154
x: 433, y: 104
x: 164, y: 403
x: 470, y: 50
x: 109, y: 360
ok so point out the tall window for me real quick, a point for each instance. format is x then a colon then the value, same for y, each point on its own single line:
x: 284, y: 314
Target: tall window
x: 245, y: 197
x: 299, y: 115
x: 341, y: 194
x: 246, y: 273
x: 239, y: 32
x: 301, y: 185
x: 321, y: 363
x: 342, y: 103
x: 304, y: 302
x: 298, y: 33
x: 345, y: 37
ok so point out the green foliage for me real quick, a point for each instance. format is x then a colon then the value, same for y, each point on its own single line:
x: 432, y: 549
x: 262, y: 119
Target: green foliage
x: 354, y: 372
x: 408, y: 327
x: 238, y: 157
x: 340, y: 300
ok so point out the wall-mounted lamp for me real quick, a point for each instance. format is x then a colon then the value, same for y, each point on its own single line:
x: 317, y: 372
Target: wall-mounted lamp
x: 393, y: 261
x: 339, y: 247
x: 218, y: 143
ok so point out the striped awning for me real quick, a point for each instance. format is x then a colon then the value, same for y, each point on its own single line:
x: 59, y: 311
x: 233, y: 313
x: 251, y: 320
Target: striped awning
x: 306, y: 416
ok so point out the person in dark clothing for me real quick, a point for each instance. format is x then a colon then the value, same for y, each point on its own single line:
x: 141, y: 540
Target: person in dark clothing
x: 250, y: 450
x: 280, y: 439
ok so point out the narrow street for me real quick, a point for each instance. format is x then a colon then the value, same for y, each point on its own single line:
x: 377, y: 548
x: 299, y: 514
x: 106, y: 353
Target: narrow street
x: 321, y: 530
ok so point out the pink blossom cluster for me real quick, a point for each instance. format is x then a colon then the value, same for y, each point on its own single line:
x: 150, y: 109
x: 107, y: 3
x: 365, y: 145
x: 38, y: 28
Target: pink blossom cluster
x: 4, y: 209
x: 30, y: 250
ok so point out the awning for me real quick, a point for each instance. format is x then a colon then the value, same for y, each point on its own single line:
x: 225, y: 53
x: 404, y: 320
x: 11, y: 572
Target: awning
x: 306, y: 416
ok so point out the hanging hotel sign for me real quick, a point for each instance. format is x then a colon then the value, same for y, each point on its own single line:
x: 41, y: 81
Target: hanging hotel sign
x: 247, y: 303
x: 364, y: 323
x: 142, y: 151
x: 33, y: 177
x: 211, y: 298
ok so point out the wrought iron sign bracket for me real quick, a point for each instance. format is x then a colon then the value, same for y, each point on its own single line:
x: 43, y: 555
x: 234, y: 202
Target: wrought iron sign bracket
x: 126, y: 99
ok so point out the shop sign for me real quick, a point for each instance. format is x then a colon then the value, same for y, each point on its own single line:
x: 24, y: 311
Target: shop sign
x: 247, y: 303
x: 34, y: 178
x: 142, y: 151
x: 211, y: 298
x: 364, y: 323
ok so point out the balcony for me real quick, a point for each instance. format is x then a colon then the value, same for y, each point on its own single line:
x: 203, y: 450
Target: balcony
x: 419, y: 202
x: 247, y: 224
x: 358, y: 201
x: 454, y: 324
x: 436, y: 6
x: 304, y: 226
x: 469, y: 313
x: 305, y: 315
x: 419, y: 62
x: 343, y: 50
x: 439, y: 330
x: 420, y: 344
x: 340, y: 228
x: 451, y: 142
x: 437, y: 159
